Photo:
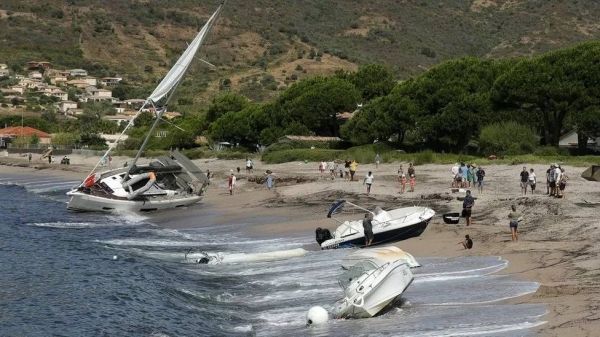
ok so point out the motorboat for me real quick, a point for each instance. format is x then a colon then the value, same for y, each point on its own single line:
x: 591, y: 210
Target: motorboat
x: 380, y: 255
x: 220, y: 258
x: 388, y: 226
x: 167, y: 182
x: 370, y: 287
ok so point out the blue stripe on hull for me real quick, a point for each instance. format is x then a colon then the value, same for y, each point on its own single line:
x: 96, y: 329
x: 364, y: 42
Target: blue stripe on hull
x: 380, y: 238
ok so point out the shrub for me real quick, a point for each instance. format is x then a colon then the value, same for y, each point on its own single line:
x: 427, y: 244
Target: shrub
x: 509, y: 138
x: 546, y: 151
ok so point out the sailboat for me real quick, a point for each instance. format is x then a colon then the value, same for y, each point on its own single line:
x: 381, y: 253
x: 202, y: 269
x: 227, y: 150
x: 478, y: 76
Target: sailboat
x: 168, y: 181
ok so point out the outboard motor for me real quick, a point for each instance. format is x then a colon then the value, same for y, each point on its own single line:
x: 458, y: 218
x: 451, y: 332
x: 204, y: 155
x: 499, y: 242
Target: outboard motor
x: 322, y: 235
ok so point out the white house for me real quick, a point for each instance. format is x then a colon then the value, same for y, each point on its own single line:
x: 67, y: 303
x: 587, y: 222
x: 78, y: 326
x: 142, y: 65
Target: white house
x: 3, y: 66
x: 65, y: 106
x: 110, y: 81
x: 96, y: 95
x: 35, y: 75
x: 4, y: 72
x: 118, y: 118
x: 78, y: 72
x: 112, y: 138
x: 89, y: 80
x: 570, y: 140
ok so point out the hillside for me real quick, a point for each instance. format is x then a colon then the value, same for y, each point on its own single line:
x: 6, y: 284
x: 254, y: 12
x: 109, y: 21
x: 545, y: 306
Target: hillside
x: 264, y: 45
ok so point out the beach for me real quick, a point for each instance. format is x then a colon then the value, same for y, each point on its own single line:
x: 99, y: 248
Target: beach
x: 556, y: 242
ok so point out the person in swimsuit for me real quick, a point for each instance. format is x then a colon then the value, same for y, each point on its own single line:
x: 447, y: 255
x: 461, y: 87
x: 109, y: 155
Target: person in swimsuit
x: 514, y: 217
x: 468, y: 243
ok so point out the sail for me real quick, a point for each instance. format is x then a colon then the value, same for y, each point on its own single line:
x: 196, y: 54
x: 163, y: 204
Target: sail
x: 176, y: 73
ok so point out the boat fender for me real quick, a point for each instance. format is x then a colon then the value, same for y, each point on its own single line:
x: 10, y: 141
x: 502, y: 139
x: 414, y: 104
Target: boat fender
x: 316, y: 316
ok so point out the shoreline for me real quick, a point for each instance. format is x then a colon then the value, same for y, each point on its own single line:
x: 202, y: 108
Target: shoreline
x: 556, y: 247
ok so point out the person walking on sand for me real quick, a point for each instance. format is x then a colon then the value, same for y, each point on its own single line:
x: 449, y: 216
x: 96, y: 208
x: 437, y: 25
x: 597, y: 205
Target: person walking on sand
x: 524, y: 180
x: 231, y: 182
x: 249, y: 166
x: 455, y: 170
x: 468, y: 203
x: 411, y: 170
x: 322, y: 167
x: 514, y: 217
x: 353, y: 167
x: 532, y: 181
x: 470, y: 176
x: 480, y: 176
x: 331, y: 168
x: 413, y: 182
x: 269, y: 179
x: 468, y: 243
x: 550, y: 184
x: 368, y: 229
x: 368, y: 180
x: 402, y: 182
x: 347, y: 169
x: 377, y: 160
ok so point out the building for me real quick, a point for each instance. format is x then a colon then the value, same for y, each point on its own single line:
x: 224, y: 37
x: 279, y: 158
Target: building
x: 112, y: 138
x: 65, y: 106
x: 93, y: 94
x: 78, y: 72
x: 292, y: 138
x: 89, y: 80
x: 79, y: 83
x: 3, y: 66
x: 35, y: 75
x: 110, y: 81
x: 134, y: 103
x: 29, y: 83
x: 58, y: 79
x: 571, y: 140
x: 32, y: 65
x: 4, y: 72
x: 171, y: 114
x: 118, y: 118
x: 18, y: 131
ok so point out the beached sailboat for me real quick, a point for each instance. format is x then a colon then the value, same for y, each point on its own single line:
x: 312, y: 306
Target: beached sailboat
x: 166, y: 182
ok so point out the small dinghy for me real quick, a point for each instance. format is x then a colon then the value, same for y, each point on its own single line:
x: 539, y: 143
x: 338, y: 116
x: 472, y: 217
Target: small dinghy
x: 451, y: 218
x: 380, y: 255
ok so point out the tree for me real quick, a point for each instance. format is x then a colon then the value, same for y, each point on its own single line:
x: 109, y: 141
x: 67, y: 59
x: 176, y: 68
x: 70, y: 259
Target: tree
x: 587, y: 123
x: 554, y: 85
x: 224, y: 103
x: 510, y: 138
x: 65, y: 139
x: 373, y: 80
x: 92, y: 140
x: 35, y: 139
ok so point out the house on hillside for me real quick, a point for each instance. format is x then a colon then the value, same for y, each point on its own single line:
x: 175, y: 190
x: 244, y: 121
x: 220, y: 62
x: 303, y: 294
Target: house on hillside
x: 93, y: 94
x: 33, y: 65
x: 35, y: 75
x: 3, y: 66
x: 134, y: 103
x: 4, y: 72
x: 292, y: 138
x: 78, y: 72
x: 18, y: 131
x: 65, y: 106
x: 110, y: 81
x: 58, y: 79
x: 78, y: 84
x: 112, y: 138
x: 118, y: 118
x: 90, y: 80
x: 29, y: 83
x: 570, y: 140
x: 171, y: 114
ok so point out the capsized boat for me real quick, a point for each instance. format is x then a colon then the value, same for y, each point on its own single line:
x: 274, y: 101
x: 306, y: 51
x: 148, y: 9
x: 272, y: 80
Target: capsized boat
x: 388, y: 226
x: 380, y: 255
x: 370, y: 287
x: 167, y: 182
x: 219, y: 258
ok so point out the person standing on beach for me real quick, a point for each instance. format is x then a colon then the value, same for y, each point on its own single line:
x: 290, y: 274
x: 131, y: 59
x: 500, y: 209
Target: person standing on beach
x: 368, y: 180
x: 470, y: 176
x: 231, y: 183
x: 524, y: 180
x: 455, y: 170
x: 532, y: 181
x: 550, y: 180
x: 514, y: 217
x: 557, y: 176
x: 331, y: 168
x: 468, y: 203
x: 411, y: 170
x: 402, y: 179
x: 413, y: 182
x: 249, y: 166
x: 377, y: 160
x: 30, y: 157
x: 480, y: 176
x: 563, y: 182
x: 353, y: 167
x: 464, y: 171
x: 347, y: 169
x: 322, y: 167
x: 49, y: 159
x: 269, y: 180
x: 368, y: 229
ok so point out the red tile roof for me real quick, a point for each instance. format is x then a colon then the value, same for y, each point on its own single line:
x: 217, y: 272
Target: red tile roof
x: 17, y: 131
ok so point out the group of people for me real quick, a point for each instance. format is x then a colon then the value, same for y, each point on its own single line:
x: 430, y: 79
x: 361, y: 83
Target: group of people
x: 556, y: 181
x: 467, y: 175
x: 402, y: 178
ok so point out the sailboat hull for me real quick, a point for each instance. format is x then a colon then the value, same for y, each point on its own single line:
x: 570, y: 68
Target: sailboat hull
x: 82, y: 202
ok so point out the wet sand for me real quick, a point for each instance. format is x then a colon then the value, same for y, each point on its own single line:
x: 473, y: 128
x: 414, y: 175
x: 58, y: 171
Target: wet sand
x: 556, y: 238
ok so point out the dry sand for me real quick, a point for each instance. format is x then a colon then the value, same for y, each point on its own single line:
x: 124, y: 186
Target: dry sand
x: 557, y: 237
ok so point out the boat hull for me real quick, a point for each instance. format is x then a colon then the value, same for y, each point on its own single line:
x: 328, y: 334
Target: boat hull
x: 380, y: 256
x: 384, y: 292
x: 82, y: 202
x: 381, y: 237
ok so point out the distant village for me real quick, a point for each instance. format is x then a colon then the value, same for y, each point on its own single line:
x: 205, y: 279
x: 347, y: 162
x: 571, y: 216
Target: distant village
x: 42, y: 81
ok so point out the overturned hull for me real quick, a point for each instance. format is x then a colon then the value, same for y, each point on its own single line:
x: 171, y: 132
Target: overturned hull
x: 219, y: 258
x: 592, y: 173
x: 380, y: 255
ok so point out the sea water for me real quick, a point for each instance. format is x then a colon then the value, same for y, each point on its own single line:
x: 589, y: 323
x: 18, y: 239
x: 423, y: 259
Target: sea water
x: 75, y: 274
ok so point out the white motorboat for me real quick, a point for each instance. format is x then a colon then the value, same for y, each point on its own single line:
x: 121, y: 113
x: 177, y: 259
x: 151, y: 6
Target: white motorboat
x: 380, y: 255
x: 167, y: 182
x: 369, y: 288
x: 388, y: 226
x: 219, y: 258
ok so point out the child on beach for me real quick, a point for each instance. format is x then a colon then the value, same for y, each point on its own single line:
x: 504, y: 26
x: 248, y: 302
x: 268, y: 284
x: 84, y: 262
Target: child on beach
x: 402, y: 182
x: 269, y: 179
x: 468, y: 243
x: 231, y: 183
x: 412, y: 182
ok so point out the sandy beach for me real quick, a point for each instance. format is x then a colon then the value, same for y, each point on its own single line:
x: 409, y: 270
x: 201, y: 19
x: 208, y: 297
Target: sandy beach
x: 556, y: 238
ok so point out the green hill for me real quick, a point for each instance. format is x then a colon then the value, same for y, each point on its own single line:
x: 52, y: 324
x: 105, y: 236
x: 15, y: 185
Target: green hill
x: 261, y: 46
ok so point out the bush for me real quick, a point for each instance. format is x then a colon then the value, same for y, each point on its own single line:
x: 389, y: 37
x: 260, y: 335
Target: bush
x: 509, y: 138
x: 314, y: 155
x: 546, y: 151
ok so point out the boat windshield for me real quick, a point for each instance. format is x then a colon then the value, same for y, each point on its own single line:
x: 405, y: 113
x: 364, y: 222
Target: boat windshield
x: 355, y: 272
